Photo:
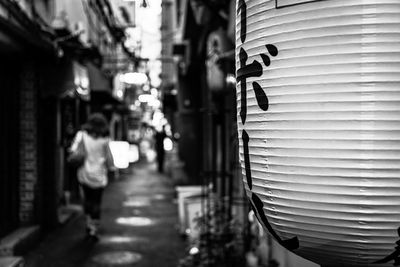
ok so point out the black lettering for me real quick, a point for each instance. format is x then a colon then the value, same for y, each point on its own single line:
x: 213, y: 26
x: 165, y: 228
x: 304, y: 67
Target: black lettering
x: 395, y: 256
x: 258, y: 208
x: 245, y: 138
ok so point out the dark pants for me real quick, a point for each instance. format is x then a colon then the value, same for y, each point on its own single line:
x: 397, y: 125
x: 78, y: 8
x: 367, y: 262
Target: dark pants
x: 160, y: 161
x: 92, y: 201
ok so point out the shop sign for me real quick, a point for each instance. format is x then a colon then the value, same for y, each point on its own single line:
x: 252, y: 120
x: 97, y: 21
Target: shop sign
x: 115, y: 61
x: 81, y: 80
x: 318, y: 94
x: 217, y: 44
x: 118, y: 90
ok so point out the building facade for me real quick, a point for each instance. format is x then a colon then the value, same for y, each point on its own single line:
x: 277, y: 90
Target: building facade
x: 207, y: 118
x: 52, y: 59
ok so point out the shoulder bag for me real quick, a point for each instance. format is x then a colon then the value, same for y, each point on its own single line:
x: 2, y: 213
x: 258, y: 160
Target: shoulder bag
x: 77, y: 157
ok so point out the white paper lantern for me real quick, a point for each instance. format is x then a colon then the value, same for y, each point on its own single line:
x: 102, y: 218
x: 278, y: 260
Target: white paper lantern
x: 319, y: 125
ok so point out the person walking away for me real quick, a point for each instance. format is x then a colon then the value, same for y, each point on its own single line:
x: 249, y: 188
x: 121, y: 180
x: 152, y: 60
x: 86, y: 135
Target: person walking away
x: 159, y: 145
x: 93, y: 174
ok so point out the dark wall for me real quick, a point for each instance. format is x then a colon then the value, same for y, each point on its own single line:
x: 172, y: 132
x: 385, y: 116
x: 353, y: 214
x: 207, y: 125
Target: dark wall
x: 189, y: 121
x: 48, y: 111
x: 9, y: 144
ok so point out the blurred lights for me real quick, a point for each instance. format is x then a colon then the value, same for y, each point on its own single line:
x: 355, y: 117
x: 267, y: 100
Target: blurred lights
x: 136, y: 203
x: 154, y: 92
x: 135, y: 221
x: 77, y: 80
x: 120, y: 94
x: 60, y: 52
x: 82, y: 91
x: 157, y: 117
x: 231, y: 79
x: 84, y: 82
x: 164, y: 121
x: 151, y: 155
x: 251, y: 216
x: 146, y: 87
x: 168, y: 144
x: 194, y: 251
x: 145, y: 98
x: 154, y: 103
x: 120, y: 239
x: 136, y: 78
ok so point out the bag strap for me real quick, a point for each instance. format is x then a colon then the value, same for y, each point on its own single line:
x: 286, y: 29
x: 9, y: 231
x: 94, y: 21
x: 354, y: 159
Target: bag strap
x: 109, y: 157
x: 83, y: 142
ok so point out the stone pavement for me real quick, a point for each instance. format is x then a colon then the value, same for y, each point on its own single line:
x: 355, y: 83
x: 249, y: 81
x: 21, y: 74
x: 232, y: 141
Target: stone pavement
x: 139, y: 219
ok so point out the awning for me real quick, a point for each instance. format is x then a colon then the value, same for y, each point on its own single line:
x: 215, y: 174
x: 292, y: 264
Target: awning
x: 68, y: 78
x: 101, y: 89
x: 103, y: 98
x: 98, y: 80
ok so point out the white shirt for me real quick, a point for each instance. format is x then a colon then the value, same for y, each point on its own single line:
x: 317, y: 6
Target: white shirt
x: 94, y: 170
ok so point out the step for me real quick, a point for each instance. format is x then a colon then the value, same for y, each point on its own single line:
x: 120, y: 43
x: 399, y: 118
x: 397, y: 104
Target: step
x: 19, y: 241
x: 11, y: 262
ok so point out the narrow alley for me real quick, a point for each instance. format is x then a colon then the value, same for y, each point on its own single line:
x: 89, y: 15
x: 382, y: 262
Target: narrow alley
x: 138, y: 225
x: 200, y: 133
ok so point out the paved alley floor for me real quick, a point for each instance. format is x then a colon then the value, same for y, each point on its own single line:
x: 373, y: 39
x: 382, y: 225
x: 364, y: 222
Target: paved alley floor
x: 138, y: 228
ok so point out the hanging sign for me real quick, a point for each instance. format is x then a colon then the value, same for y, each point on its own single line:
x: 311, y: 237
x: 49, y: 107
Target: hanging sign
x: 318, y: 88
x: 217, y: 44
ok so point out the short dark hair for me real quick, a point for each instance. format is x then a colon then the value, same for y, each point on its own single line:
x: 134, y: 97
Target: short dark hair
x: 97, y: 125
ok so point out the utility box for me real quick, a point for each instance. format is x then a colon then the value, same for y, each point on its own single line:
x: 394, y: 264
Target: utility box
x: 183, y: 193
